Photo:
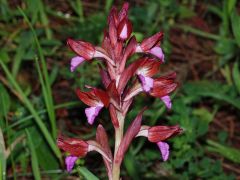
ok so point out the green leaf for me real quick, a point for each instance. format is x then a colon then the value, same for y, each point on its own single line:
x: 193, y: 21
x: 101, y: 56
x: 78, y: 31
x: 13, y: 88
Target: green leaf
x: 216, y: 10
x: 4, y: 103
x: 204, y: 114
x: 186, y: 12
x: 87, y: 174
x: 224, y: 46
x: 211, y: 89
x: 235, y: 21
x: 205, y: 117
x: 231, y: 4
x: 4, y: 55
x: 226, y: 151
x: 78, y: 8
x: 108, y: 5
x: 236, y: 76
x: 34, y: 159
x: 131, y: 165
x: 44, y: 19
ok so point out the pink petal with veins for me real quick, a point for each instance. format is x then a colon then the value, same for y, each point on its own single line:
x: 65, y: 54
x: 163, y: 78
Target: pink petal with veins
x: 92, y: 113
x: 167, y: 101
x: 157, y: 51
x: 70, y: 161
x: 147, y: 82
x: 164, y: 148
x: 75, y: 62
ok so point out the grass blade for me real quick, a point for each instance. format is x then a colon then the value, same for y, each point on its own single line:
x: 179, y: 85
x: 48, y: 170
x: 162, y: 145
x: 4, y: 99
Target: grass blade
x: 24, y: 119
x: 30, y: 107
x: 34, y: 159
x: 2, y: 157
x: 45, y: 95
x: 226, y: 151
x: 46, y: 82
x: 235, y: 20
x: 236, y: 76
x: 108, y: 5
x: 231, y: 4
x: 78, y: 8
x: 87, y: 174
x: 44, y: 19
x: 203, y: 34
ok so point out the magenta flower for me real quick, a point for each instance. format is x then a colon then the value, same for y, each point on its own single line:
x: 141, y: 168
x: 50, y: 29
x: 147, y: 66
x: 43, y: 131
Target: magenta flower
x: 96, y: 99
x: 70, y: 161
x: 122, y: 82
x: 92, y: 113
x: 75, y: 62
x: 147, y: 82
x: 78, y: 148
x: 157, y: 51
x: 167, y: 101
x: 164, y: 148
x: 151, y: 45
x: 158, y: 134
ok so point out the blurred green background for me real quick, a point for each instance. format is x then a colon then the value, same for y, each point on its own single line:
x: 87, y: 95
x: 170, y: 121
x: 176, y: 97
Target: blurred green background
x: 37, y: 98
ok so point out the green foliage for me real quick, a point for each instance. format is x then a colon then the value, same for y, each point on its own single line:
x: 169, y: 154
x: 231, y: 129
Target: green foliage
x: 87, y: 174
x: 2, y: 157
x: 34, y: 159
x: 226, y: 151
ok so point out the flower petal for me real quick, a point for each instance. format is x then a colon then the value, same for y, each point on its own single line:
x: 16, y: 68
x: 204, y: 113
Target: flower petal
x: 164, y: 148
x: 92, y: 113
x: 152, y: 41
x: 167, y: 101
x: 123, y: 12
x: 75, y: 62
x: 82, y: 48
x: 70, y: 161
x: 76, y: 147
x: 162, y: 133
x: 147, y: 82
x: 89, y: 98
x: 148, y: 67
x: 157, y: 51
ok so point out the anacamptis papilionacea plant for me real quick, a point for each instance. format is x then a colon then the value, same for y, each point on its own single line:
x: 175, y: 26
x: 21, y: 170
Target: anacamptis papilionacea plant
x: 117, y: 96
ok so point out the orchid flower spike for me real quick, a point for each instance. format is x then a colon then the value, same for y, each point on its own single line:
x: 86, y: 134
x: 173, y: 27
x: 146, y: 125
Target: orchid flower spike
x: 122, y: 82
